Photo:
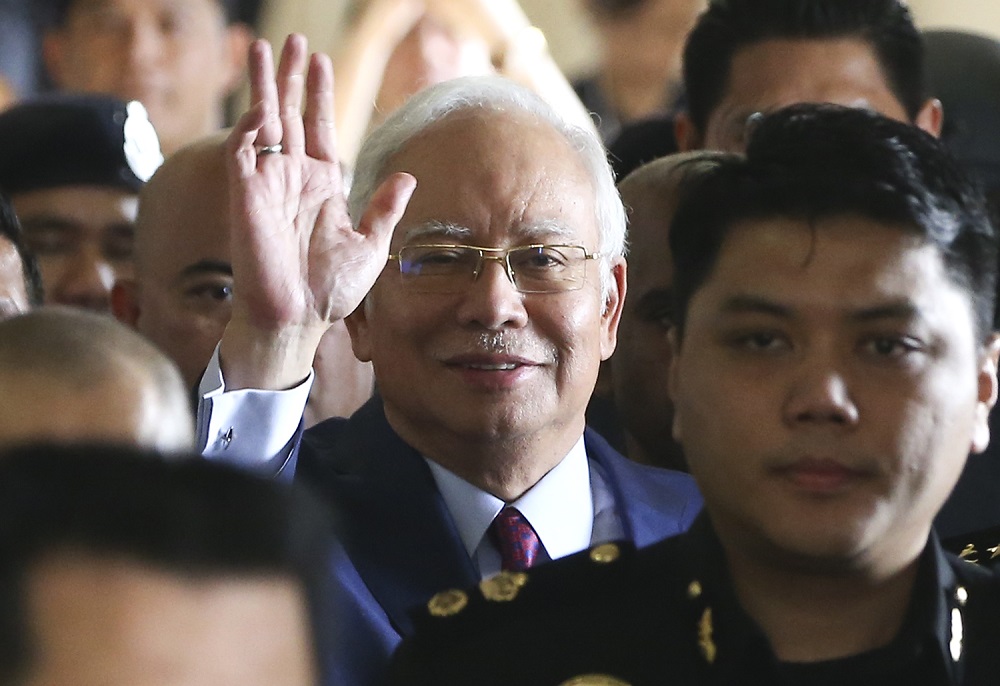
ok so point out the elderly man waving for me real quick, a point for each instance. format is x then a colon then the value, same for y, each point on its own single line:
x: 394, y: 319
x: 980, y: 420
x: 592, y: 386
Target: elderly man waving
x: 479, y: 265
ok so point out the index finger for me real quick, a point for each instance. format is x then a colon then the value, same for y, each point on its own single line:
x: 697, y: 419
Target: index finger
x: 264, y: 92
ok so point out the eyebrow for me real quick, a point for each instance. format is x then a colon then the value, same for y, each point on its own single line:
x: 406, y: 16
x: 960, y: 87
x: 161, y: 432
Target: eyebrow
x: 207, y: 267
x: 748, y: 304
x: 450, y: 230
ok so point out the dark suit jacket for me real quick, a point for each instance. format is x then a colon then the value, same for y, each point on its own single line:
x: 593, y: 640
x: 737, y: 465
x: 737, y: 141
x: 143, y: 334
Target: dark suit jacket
x: 399, y: 543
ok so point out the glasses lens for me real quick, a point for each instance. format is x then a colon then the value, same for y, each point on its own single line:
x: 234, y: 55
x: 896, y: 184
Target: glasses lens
x: 548, y: 268
x: 438, y: 268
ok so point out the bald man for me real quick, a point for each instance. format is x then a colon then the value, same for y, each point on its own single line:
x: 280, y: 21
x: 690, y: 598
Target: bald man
x: 640, y: 363
x: 181, y: 295
x: 69, y: 376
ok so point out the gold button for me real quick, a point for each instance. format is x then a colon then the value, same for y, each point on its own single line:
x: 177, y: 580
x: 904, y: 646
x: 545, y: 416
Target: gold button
x: 447, y: 603
x: 503, y: 587
x: 694, y: 589
x: 594, y: 680
x: 608, y: 552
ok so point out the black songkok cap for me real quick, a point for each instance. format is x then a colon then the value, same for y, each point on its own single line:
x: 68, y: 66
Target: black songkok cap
x: 76, y: 140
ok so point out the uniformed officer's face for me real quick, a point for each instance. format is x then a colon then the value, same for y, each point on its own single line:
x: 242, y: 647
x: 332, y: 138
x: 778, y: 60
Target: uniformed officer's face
x: 82, y: 237
x: 488, y: 363
x: 828, y: 389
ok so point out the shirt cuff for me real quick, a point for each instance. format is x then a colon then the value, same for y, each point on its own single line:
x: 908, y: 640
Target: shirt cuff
x: 248, y: 427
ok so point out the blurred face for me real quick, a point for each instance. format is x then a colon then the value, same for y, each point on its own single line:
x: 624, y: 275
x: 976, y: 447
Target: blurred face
x: 13, y: 293
x: 174, y: 56
x: 107, y: 622
x: 82, y: 237
x: 642, y: 359
x: 827, y: 403
x: 772, y: 74
x: 429, y: 54
x: 646, y: 44
x: 490, y: 363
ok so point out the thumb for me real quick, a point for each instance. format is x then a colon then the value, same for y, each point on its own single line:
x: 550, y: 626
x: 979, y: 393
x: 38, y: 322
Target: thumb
x: 386, y: 208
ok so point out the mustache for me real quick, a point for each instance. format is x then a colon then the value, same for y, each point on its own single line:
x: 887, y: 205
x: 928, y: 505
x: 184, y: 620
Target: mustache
x: 501, y: 344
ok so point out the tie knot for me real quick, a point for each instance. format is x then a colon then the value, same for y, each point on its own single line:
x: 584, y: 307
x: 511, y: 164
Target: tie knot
x: 515, y: 539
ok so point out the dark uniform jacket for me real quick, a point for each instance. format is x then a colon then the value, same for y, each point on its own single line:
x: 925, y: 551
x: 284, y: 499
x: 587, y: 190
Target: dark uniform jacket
x: 667, y: 615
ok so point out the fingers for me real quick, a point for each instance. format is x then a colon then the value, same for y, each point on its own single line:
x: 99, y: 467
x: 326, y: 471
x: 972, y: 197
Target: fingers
x: 264, y: 93
x: 290, y: 83
x: 320, y: 129
x: 387, y: 207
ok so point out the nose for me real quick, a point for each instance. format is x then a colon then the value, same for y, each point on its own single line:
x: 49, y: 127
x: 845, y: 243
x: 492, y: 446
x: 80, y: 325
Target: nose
x: 85, y: 282
x: 820, y: 394
x: 143, y: 42
x: 492, y: 301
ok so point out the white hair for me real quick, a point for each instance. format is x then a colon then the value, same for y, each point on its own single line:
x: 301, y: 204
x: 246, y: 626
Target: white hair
x: 493, y: 94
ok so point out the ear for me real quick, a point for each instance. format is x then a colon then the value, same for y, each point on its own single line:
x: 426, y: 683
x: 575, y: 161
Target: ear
x: 987, y: 393
x: 358, y: 329
x: 54, y: 55
x: 930, y: 118
x: 612, y: 312
x: 687, y: 137
x: 238, y: 38
x: 674, y: 346
x: 125, y: 302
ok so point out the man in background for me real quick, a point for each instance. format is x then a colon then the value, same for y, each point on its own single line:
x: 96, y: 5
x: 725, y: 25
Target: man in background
x: 179, y: 58
x: 69, y: 376
x: 179, y: 294
x: 72, y: 166
x: 121, y: 569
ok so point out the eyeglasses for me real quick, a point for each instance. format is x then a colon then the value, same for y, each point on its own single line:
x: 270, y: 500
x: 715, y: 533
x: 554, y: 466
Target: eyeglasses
x: 531, y: 268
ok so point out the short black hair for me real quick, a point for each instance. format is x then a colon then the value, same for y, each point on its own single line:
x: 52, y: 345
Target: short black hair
x: 729, y: 25
x: 813, y: 162
x: 189, y: 516
x: 58, y: 11
x: 10, y: 228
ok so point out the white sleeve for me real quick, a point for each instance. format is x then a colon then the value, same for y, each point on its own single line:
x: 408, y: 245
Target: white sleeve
x: 249, y: 428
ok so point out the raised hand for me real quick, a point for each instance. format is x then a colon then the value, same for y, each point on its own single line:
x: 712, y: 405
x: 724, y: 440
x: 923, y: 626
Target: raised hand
x: 298, y: 262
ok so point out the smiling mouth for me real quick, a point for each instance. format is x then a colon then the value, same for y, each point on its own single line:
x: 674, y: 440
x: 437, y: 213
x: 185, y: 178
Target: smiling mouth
x: 500, y: 367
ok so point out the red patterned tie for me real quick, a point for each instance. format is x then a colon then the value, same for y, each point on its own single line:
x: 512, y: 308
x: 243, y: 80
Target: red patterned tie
x: 515, y: 539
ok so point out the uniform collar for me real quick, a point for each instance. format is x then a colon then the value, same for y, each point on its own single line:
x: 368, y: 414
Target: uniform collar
x: 933, y: 626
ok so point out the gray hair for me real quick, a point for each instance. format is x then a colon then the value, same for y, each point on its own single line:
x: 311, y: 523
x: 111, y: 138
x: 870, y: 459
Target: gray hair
x: 494, y: 94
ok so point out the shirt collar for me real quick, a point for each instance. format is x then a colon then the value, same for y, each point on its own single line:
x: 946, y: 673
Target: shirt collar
x: 559, y: 507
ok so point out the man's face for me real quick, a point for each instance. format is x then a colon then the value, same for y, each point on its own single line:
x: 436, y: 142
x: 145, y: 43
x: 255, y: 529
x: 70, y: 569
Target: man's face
x: 181, y: 298
x: 177, y: 57
x: 13, y: 293
x: 82, y: 237
x: 773, y: 74
x: 110, y: 622
x: 642, y: 359
x: 490, y: 363
x: 826, y: 404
